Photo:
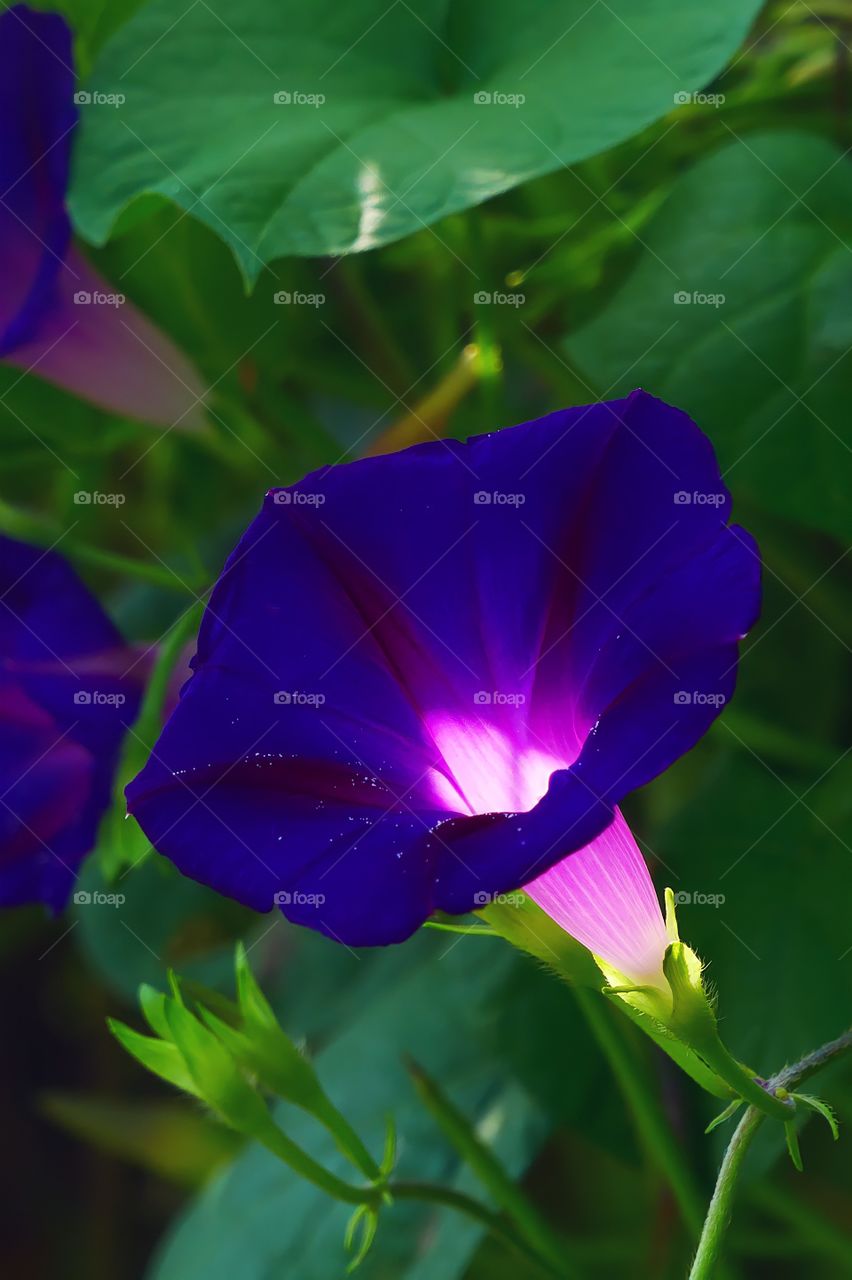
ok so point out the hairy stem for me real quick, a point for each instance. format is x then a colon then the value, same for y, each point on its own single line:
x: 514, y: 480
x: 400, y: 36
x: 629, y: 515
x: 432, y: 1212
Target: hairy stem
x: 719, y: 1211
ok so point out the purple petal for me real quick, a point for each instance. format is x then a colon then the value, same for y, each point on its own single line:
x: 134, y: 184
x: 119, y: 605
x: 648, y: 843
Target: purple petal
x: 604, y: 897
x: 38, y: 113
x: 68, y: 688
x: 109, y: 354
x: 483, y: 648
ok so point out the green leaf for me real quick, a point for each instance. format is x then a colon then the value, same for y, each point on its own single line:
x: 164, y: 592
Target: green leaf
x: 161, y: 917
x: 382, y: 134
x: 478, y: 1156
x: 764, y: 225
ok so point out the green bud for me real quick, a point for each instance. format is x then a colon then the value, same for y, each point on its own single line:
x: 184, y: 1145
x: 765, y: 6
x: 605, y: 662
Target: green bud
x: 217, y: 1078
x: 153, y: 1005
x: 161, y: 1057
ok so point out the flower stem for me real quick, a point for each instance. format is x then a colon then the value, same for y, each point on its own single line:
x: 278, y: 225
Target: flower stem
x: 644, y: 1108
x: 719, y: 1211
x: 450, y: 1198
x: 44, y: 532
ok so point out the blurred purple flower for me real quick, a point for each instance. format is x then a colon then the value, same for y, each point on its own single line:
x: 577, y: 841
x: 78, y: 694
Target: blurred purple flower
x: 68, y: 687
x: 54, y: 320
x: 426, y: 678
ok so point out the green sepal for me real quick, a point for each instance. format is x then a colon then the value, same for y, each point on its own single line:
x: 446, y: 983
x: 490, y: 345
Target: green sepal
x: 153, y: 1005
x: 693, y: 1021
x: 729, y: 1111
x: 389, y: 1153
x: 270, y: 1055
x: 793, y: 1145
x: 526, y: 926
x: 365, y: 1220
x: 254, y: 1005
x: 822, y: 1109
x: 523, y: 923
x: 161, y: 1057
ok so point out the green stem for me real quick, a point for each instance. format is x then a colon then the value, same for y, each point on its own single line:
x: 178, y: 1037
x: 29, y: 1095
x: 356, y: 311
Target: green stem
x: 291, y: 1154
x: 450, y: 1198
x: 505, y: 1192
x: 725, y: 1065
x: 650, y: 1122
x: 719, y: 1210
x: 347, y: 1140
x: 20, y: 524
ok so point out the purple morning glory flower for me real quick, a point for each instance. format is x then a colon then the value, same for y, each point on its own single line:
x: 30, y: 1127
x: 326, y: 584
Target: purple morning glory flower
x: 68, y: 687
x: 59, y: 318
x: 426, y: 678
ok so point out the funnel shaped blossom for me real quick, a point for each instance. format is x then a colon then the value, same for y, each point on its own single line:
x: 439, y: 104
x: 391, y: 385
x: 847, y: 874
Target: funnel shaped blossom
x: 59, y: 319
x: 68, y: 688
x: 426, y: 678
x: 604, y: 897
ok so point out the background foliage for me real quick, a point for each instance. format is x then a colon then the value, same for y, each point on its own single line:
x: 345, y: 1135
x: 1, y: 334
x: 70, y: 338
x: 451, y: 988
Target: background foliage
x: 668, y: 207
